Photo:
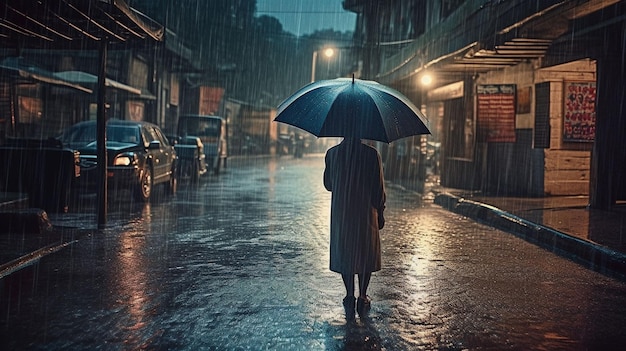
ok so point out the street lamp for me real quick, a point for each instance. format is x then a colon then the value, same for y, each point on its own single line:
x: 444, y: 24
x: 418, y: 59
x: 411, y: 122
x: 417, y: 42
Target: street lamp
x: 426, y: 79
x: 328, y: 52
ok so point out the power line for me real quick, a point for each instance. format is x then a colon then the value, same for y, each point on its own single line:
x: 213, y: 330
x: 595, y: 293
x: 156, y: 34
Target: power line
x: 308, y: 12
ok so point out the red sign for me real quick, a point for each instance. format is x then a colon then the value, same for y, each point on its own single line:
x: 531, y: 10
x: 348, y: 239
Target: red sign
x: 579, y: 117
x: 496, y: 113
x: 210, y: 99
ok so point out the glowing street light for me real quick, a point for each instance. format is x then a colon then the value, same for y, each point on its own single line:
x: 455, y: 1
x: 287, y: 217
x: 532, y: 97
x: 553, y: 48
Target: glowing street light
x: 328, y: 52
x: 426, y: 79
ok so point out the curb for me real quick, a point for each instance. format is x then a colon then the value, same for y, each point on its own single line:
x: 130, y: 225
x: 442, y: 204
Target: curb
x: 589, y: 254
x: 31, y: 222
x: 28, y: 220
x: 10, y: 201
x: 31, y: 258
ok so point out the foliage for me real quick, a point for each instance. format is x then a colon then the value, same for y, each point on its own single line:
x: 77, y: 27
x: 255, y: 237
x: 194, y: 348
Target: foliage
x: 252, y: 57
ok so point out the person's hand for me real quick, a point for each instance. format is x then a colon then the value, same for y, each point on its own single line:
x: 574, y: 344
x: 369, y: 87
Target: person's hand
x: 381, y: 219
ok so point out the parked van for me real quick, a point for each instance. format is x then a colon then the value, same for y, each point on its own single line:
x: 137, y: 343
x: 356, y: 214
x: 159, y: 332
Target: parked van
x: 212, y: 132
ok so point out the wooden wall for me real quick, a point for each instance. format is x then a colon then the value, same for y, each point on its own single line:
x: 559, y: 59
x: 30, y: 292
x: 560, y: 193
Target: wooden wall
x: 566, y: 172
x: 567, y: 165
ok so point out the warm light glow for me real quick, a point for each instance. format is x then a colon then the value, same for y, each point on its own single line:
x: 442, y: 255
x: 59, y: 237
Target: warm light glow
x: 426, y: 79
x: 122, y: 161
x: 329, y: 52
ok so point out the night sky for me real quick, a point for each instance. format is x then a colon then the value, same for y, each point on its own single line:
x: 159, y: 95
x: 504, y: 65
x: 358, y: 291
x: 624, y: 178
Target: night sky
x: 302, y: 17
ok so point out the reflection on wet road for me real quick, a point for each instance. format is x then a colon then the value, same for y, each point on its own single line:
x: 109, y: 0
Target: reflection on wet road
x: 241, y: 262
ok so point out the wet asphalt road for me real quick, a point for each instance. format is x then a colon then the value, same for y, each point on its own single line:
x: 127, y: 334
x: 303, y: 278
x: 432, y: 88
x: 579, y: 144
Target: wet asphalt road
x: 240, y: 262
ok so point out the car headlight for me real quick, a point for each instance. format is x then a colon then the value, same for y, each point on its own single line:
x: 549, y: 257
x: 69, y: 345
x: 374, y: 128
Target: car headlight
x: 123, y: 160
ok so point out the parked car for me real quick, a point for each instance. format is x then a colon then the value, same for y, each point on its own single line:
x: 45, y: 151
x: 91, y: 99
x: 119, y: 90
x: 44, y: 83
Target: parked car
x: 139, y: 156
x: 191, y: 162
x: 43, y: 169
x: 212, y: 132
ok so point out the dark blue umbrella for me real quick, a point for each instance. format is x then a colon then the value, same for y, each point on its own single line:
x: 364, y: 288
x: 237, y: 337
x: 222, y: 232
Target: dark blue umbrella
x: 345, y: 107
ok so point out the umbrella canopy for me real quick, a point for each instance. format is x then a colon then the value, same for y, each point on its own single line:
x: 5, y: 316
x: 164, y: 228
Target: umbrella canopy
x: 345, y: 107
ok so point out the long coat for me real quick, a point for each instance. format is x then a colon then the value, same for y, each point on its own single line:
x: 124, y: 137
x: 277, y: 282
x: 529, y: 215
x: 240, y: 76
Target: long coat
x: 354, y: 175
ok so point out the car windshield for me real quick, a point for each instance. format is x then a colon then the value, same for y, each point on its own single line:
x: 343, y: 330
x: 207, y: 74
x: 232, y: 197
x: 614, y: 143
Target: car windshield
x: 199, y: 126
x: 123, y: 134
x: 83, y: 135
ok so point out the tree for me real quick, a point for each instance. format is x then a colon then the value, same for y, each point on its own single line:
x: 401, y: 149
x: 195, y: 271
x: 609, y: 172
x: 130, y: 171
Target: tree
x: 252, y: 57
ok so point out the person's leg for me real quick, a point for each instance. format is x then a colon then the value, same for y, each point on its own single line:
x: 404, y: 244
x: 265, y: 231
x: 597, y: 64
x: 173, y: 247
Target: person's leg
x: 348, y: 282
x: 364, y: 282
x: 363, y: 303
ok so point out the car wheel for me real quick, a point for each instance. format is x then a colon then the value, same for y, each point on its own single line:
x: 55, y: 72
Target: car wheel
x: 195, y: 172
x: 216, y: 171
x: 144, y: 189
x: 180, y: 173
x: 172, y: 185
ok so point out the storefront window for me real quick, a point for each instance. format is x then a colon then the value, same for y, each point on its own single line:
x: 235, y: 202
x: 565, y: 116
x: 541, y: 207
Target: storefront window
x: 459, y: 130
x: 29, y: 117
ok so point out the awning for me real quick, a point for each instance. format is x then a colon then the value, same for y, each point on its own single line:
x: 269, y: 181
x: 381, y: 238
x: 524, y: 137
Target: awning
x: 91, y: 80
x: 19, y: 71
x: 73, y: 24
x: 455, y: 52
x: 78, y: 25
x: 145, y: 95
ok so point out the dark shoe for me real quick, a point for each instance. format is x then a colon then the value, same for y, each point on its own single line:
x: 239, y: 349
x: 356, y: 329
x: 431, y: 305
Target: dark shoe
x: 363, y: 305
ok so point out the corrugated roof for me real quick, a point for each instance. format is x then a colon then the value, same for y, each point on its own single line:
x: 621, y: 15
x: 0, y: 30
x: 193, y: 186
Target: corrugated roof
x: 72, y: 24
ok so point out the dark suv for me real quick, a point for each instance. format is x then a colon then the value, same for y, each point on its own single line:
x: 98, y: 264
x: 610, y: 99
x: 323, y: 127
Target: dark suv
x: 139, y: 156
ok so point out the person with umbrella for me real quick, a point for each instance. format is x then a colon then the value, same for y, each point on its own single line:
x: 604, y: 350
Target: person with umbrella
x: 354, y: 109
x: 354, y: 175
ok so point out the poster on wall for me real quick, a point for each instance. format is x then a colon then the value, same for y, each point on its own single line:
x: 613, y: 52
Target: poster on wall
x: 496, y: 113
x: 523, y: 100
x: 579, y: 117
x: 30, y: 109
x: 210, y: 99
x: 135, y: 110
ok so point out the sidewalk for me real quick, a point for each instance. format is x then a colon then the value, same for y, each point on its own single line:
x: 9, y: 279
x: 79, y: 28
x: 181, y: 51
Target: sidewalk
x: 560, y: 224
x: 26, y: 234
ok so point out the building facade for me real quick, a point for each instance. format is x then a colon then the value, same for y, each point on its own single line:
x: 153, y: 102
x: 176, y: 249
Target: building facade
x: 527, y: 98
x: 46, y: 87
